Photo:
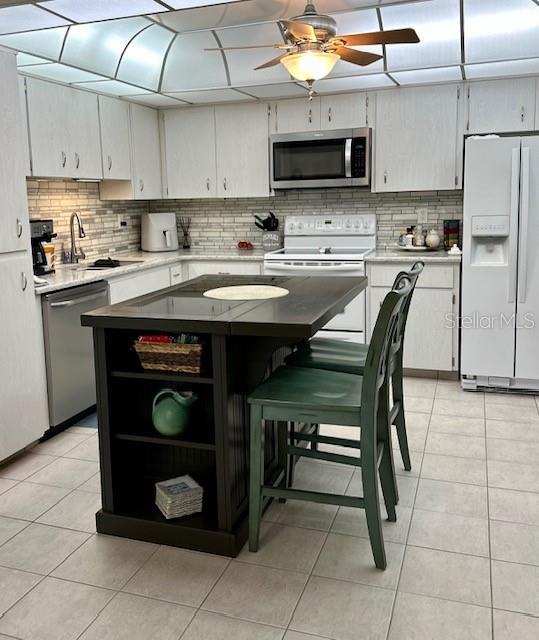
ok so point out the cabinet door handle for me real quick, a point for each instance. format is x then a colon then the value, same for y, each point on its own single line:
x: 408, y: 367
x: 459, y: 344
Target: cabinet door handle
x: 310, y: 116
x: 24, y: 281
x: 141, y: 184
x: 19, y: 228
x: 207, y: 184
x: 110, y: 162
x: 224, y: 184
x: 522, y: 114
x: 330, y: 115
x: 77, y: 161
x: 385, y: 177
x: 64, y: 159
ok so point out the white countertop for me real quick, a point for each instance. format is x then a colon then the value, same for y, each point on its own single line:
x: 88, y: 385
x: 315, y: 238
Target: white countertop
x: 397, y: 255
x: 67, y: 276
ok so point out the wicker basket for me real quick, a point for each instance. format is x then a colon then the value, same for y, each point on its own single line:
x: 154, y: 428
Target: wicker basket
x: 179, y: 358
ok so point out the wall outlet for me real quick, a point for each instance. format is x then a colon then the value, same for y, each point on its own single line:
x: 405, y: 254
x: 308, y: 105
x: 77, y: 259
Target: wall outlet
x: 422, y: 216
x: 121, y: 222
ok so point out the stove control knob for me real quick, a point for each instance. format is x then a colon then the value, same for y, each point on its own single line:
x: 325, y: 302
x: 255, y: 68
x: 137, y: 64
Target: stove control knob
x: 348, y: 224
x: 291, y: 226
x: 300, y: 225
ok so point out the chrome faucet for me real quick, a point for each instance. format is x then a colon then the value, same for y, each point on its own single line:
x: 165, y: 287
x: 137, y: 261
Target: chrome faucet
x: 74, y: 255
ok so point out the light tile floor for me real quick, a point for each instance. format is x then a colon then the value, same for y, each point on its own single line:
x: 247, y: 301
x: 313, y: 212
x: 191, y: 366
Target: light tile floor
x: 463, y: 557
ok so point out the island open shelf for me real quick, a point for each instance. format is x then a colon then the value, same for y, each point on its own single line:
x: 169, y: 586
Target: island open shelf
x: 242, y: 343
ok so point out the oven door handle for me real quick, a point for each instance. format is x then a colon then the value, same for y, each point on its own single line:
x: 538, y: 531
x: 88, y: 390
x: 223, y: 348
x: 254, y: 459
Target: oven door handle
x: 322, y: 267
x: 348, y: 157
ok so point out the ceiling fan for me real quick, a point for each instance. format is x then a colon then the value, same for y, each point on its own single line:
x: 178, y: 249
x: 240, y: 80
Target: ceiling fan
x: 312, y: 46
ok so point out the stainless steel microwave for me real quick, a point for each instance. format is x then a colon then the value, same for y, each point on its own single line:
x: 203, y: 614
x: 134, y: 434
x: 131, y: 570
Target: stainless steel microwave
x: 338, y: 158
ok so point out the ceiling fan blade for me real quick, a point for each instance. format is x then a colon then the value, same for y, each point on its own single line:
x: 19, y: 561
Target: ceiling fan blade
x: 272, y: 62
x: 396, y: 36
x: 249, y: 46
x: 362, y: 58
x: 299, y: 30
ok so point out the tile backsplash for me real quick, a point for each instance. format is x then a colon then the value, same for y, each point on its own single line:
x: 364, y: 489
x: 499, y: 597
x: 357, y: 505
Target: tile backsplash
x: 219, y: 224
x: 58, y: 199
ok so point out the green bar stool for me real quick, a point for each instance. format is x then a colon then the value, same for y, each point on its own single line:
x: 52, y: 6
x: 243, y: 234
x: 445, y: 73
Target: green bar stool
x: 314, y: 396
x: 340, y: 355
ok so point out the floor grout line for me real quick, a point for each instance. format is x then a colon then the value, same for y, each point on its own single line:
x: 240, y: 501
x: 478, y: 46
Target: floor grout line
x: 407, y: 534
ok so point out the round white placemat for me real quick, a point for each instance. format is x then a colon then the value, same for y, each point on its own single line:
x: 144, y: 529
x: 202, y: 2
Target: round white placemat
x: 247, y: 292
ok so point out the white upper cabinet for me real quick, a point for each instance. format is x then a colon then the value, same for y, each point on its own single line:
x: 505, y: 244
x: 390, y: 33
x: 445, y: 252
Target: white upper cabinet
x: 64, y: 131
x: 83, y: 129
x: 416, y: 139
x: 501, y: 105
x: 115, y: 150
x: 146, y: 153
x: 242, y: 150
x: 343, y: 111
x: 14, y: 234
x: 48, y: 112
x: 24, y: 113
x: 297, y: 115
x: 190, y: 152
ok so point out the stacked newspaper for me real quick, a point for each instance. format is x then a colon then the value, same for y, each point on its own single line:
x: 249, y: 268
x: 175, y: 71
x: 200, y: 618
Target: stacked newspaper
x: 178, y: 497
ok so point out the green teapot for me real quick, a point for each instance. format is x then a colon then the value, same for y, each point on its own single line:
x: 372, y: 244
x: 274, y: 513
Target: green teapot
x: 170, y: 412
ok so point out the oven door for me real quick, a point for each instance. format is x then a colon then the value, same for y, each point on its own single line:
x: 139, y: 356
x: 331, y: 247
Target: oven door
x: 352, y: 319
x: 338, y: 158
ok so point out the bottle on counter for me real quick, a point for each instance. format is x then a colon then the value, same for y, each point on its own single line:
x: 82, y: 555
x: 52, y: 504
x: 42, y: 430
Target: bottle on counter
x: 419, y: 236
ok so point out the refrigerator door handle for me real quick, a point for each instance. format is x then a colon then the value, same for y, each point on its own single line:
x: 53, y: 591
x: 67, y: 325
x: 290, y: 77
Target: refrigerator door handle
x: 513, y: 228
x: 524, y: 218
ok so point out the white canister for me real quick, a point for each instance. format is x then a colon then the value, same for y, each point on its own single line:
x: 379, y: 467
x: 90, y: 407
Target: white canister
x: 433, y: 239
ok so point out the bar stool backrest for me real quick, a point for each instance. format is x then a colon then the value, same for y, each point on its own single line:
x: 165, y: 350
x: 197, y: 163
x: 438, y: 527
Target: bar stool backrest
x: 383, y: 336
x: 413, y: 274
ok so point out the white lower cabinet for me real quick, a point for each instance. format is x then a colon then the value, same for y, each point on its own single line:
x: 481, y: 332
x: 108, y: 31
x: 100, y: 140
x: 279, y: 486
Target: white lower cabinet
x: 225, y: 267
x: 177, y: 274
x: 431, y: 338
x: 132, y: 286
x: 24, y: 414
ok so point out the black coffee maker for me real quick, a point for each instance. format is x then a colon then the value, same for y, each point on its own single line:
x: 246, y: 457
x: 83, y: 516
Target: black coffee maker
x: 41, y: 231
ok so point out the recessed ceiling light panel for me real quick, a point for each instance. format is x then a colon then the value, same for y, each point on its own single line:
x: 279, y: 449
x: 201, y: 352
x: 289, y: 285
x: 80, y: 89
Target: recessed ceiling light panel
x: 89, y: 11
x: 27, y: 17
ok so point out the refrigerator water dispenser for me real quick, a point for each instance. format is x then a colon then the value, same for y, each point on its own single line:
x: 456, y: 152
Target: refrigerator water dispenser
x: 489, y: 240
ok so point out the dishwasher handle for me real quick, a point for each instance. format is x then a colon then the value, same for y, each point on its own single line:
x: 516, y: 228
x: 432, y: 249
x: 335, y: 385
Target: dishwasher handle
x: 74, y: 301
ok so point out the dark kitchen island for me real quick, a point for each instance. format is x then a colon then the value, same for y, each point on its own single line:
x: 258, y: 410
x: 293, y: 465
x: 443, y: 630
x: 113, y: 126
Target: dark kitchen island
x: 242, y: 342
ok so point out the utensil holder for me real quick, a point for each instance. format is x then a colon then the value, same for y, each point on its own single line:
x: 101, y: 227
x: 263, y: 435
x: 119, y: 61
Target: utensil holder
x: 271, y: 240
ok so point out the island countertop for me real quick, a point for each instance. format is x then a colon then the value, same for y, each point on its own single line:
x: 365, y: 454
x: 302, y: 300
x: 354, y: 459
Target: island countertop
x: 309, y: 305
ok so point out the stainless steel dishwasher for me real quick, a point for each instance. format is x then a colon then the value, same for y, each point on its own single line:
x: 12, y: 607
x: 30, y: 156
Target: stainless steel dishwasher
x: 69, y: 350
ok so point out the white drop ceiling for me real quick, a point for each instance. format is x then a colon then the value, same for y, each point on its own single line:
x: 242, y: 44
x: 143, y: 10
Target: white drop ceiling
x: 152, y: 51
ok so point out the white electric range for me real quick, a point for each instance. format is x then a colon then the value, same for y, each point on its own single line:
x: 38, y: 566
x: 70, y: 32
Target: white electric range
x: 325, y: 245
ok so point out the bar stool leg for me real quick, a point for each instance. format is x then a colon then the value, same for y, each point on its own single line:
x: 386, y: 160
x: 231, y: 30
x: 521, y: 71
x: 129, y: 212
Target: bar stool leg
x: 256, y: 477
x: 372, y: 511
x: 400, y: 420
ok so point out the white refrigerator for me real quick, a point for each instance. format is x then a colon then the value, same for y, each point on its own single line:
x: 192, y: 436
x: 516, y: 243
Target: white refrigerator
x: 500, y: 264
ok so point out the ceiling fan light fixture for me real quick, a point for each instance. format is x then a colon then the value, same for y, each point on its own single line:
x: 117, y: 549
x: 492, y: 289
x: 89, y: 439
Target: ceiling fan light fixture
x: 310, y: 65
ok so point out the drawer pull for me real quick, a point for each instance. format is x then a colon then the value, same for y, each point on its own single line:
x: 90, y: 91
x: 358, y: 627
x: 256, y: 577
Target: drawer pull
x: 24, y: 281
x: 19, y: 228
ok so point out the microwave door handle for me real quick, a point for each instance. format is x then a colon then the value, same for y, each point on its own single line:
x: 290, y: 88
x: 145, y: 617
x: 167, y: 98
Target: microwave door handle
x: 348, y: 157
